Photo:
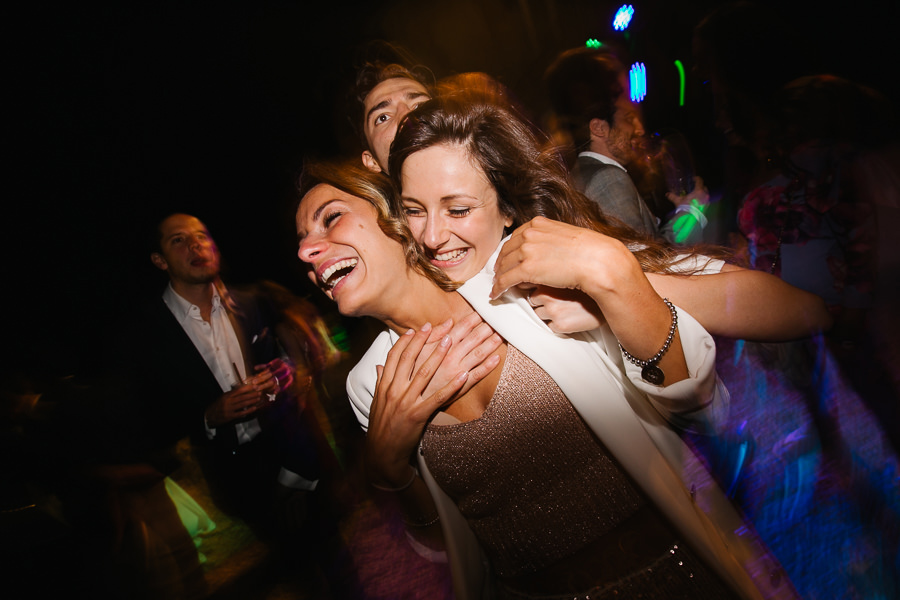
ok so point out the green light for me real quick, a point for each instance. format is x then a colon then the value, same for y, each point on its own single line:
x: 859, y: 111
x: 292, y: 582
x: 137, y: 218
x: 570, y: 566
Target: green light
x: 592, y: 43
x: 684, y: 225
x: 680, y: 68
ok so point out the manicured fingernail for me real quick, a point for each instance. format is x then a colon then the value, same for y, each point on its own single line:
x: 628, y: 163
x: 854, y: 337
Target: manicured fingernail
x: 426, y: 327
x: 409, y: 332
x: 445, y: 341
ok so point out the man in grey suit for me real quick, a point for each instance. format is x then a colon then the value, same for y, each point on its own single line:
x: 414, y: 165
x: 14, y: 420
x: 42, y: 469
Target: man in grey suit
x: 588, y: 91
x: 589, y: 94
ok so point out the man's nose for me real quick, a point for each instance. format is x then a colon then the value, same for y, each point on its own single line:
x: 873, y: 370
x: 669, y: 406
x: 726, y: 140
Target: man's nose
x: 638, y: 127
x: 402, y: 110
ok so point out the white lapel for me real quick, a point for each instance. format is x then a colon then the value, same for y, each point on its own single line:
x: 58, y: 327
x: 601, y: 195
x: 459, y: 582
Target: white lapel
x: 622, y: 417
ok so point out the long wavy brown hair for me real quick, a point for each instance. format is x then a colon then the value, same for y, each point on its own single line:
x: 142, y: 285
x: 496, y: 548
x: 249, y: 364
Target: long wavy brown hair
x: 528, y: 175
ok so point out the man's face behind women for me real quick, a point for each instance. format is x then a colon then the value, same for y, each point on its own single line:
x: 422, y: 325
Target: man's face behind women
x: 384, y: 109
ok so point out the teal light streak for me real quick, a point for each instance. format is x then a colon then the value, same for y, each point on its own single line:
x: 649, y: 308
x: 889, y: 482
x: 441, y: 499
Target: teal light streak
x: 680, y: 68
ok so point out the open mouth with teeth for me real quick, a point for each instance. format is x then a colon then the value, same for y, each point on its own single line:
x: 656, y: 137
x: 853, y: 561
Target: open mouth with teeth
x: 331, y: 276
x: 452, y: 255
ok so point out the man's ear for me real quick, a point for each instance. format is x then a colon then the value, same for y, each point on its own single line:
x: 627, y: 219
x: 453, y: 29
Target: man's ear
x: 599, y: 128
x: 159, y: 262
x: 370, y: 163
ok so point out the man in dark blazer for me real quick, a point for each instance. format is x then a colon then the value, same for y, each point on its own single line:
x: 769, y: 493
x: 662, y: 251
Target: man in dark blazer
x: 209, y: 367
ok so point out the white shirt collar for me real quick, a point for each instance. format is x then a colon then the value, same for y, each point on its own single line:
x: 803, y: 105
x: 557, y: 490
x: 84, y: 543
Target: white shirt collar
x: 182, y: 308
x: 602, y: 158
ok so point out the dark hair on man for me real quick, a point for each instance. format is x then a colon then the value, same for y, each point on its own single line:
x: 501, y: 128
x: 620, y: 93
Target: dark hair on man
x: 153, y: 230
x: 583, y: 84
x: 383, y: 61
x: 530, y: 180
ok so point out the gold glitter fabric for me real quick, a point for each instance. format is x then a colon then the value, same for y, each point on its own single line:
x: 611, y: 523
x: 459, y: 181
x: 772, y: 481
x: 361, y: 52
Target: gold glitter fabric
x: 675, y: 575
x: 532, y: 480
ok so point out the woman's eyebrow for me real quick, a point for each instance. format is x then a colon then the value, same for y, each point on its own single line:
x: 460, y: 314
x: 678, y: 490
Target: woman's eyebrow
x: 319, y: 210
x: 315, y: 217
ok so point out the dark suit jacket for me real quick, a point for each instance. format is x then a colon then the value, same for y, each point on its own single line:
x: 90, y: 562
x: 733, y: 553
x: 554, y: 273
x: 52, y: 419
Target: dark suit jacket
x: 173, y: 380
x: 171, y: 387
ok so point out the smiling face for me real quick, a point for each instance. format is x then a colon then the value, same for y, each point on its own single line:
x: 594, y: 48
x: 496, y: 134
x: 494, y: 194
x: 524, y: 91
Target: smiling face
x: 384, y: 109
x: 452, y: 209
x: 350, y: 257
x: 187, y: 251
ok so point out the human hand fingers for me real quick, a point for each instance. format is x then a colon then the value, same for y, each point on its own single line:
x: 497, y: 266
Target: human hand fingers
x: 393, y: 390
x: 240, y: 402
x: 277, y: 367
x: 566, y: 311
x: 398, y: 414
x: 467, y: 354
x: 700, y: 193
x: 479, y: 372
x: 263, y: 381
x: 423, y: 373
x: 385, y: 372
x: 405, y: 353
x: 283, y: 373
x: 545, y: 252
x: 440, y: 331
x: 448, y: 392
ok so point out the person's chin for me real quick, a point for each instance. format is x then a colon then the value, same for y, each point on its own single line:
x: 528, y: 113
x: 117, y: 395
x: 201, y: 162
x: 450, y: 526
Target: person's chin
x: 462, y: 272
x: 345, y: 296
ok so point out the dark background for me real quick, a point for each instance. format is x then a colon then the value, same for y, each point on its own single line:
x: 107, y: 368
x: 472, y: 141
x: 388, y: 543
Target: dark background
x: 119, y: 115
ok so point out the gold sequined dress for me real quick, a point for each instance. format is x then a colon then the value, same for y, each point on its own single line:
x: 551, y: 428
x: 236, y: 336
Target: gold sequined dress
x: 553, y: 511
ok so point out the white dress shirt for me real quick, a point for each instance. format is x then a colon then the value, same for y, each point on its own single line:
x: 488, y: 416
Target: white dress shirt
x: 217, y: 343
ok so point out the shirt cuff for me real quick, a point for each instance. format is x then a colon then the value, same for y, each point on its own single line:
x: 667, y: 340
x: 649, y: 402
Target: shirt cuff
x: 695, y: 212
x: 290, y: 479
x: 693, y: 399
x: 210, y: 431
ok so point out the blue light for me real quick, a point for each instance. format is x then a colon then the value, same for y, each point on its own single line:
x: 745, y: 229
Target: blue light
x: 623, y: 17
x: 637, y: 77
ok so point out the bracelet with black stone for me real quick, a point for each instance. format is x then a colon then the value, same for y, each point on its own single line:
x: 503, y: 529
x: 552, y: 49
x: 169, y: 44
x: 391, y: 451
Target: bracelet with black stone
x: 650, y: 371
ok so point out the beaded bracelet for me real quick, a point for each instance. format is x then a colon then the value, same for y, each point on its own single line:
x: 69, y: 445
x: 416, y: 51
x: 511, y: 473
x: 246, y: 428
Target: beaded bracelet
x: 650, y: 372
x: 397, y: 489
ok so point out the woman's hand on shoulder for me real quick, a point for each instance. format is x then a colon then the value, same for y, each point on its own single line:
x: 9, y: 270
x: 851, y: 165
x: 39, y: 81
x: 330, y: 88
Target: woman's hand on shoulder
x: 473, y: 347
x: 564, y: 311
x: 558, y: 255
x: 399, y: 411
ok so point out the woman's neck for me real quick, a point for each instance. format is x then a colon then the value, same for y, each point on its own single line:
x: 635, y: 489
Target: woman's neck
x: 422, y: 301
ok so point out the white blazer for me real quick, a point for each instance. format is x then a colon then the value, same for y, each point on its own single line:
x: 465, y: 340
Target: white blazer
x: 630, y: 416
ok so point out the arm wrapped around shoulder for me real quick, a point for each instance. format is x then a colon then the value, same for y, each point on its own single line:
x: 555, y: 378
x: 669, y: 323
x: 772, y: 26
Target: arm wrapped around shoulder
x: 700, y: 402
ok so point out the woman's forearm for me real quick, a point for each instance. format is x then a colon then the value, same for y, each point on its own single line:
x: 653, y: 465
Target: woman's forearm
x: 418, y: 509
x: 745, y: 304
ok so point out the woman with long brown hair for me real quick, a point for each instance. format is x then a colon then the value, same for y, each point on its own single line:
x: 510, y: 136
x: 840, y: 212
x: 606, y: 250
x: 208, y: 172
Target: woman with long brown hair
x: 557, y: 459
